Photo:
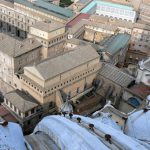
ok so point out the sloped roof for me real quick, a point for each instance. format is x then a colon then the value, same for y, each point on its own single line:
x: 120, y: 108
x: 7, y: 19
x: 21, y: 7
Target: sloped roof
x: 115, y: 43
x: 48, y: 8
x: 115, y: 74
x: 48, y: 26
x: 21, y: 100
x: 14, y: 47
x: 54, y: 66
x: 78, y: 18
x: 140, y: 90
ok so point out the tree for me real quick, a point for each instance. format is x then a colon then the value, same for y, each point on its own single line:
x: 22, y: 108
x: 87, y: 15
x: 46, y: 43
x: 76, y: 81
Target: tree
x: 65, y: 3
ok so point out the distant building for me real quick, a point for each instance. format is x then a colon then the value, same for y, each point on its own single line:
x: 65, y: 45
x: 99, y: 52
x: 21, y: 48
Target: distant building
x: 144, y: 12
x: 109, y: 9
x: 18, y: 16
x: 15, y: 54
x: 113, y: 49
x: 140, y: 40
x: 51, y: 35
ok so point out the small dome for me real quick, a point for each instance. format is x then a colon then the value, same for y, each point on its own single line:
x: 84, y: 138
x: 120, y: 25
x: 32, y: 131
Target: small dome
x: 67, y: 107
x: 106, y: 119
x: 148, y: 98
x: 138, y: 125
x: 11, y: 137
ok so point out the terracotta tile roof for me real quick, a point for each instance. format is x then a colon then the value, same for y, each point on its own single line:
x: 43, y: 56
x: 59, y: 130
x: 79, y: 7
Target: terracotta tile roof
x: 116, y: 75
x: 6, y: 115
x: 141, y: 90
x: 77, y: 19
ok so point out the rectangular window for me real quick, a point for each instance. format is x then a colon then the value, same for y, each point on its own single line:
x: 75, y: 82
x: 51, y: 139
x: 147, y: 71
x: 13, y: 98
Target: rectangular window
x: 78, y: 90
x: 29, y: 122
x: 19, y: 113
x: 10, y: 105
x: 26, y: 114
x: 32, y: 111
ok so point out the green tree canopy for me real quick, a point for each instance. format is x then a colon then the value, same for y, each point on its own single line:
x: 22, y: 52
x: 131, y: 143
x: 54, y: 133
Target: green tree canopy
x: 65, y: 3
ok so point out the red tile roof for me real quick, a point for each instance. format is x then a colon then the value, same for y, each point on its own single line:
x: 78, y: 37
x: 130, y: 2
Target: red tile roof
x: 6, y: 115
x: 141, y: 90
x: 77, y: 19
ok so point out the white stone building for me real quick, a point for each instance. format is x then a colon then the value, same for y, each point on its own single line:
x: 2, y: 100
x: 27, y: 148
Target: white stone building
x: 113, y: 10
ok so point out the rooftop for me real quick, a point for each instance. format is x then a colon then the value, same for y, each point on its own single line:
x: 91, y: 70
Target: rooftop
x: 77, y: 19
x: 115, y: 74
x: 115, y: 43
x: 104, y: 3
x: 48, y: 8
x: 48, y: 26
x: 21, y: 100
x: 7, y: 3
x: 14, y: 47
x: 54, y: 66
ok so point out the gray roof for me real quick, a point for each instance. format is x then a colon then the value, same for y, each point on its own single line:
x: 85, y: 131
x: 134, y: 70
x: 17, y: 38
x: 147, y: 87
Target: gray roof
x: 14, y: 47
x: 115, y: 74
x: 48, y: 26
x: 115, y: 43
x: 47, y: 8
x: 21, y: 100
x: 41, y: 141
x: 52, y: 67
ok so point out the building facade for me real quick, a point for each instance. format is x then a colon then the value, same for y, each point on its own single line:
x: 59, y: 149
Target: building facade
x: 109, y: 9
x: 16, y: 54
x: 52, y: 35
x: 65, y: 76
x: 16, y: 17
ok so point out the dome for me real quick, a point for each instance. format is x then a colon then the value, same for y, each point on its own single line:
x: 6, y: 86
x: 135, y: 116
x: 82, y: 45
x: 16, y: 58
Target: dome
x: 138, y: 125
x: 148, y: 98
x: 69, y: 135
x: 11, y: 137
x: 106, y: 119
x: 86, y: 134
